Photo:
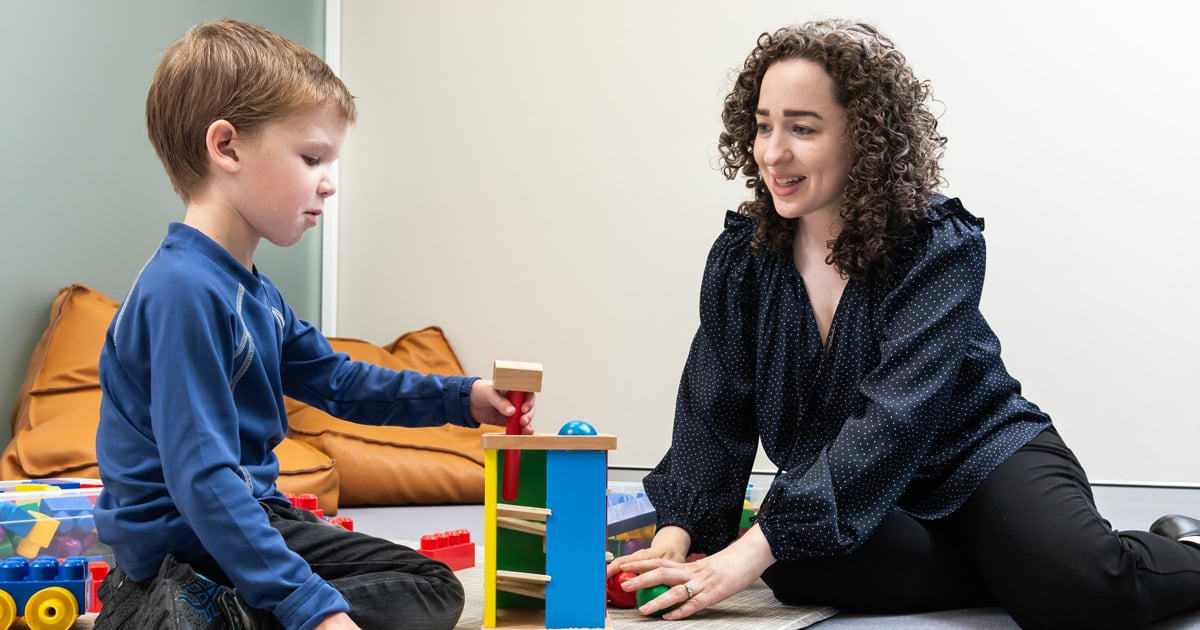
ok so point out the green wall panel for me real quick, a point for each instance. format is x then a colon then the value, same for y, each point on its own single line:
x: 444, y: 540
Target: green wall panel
x: 84, y: 198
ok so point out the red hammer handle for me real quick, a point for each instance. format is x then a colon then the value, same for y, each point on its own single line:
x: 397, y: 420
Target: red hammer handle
x: 512, y: 459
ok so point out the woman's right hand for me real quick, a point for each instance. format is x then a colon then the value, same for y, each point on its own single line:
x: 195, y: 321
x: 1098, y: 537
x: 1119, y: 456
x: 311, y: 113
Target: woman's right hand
x: 337, y: 621
x: 670, y: 543
x: 705, y: 582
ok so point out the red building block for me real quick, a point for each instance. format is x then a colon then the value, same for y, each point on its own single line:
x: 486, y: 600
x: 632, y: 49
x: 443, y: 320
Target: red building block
x: 308, y: 502
x: 451, y: 547
x: 345, y: 521
x: 99, y: 570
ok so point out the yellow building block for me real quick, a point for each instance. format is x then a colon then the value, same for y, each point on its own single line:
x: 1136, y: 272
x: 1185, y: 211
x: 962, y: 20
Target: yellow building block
x: 34, y: 487
x: 39, y: 536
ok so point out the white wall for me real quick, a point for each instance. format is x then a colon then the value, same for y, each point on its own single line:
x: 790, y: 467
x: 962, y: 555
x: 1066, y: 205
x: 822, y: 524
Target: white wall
x: 539, y: 178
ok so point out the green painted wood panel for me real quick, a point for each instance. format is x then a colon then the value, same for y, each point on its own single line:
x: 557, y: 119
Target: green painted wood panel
x: 520, y: 551
x: 84, y: 198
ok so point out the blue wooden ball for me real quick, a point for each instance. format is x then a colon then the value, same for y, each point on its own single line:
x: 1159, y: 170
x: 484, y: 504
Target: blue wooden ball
x: 577, y: 427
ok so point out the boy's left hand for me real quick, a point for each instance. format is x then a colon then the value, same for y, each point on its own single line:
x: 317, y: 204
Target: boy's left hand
x: 489, y: 406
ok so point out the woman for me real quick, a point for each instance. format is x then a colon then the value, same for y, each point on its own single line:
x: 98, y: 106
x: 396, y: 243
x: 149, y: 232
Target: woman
x: 840, y: 325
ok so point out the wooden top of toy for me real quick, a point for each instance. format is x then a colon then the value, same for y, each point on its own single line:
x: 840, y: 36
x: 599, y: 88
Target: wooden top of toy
x: 549, y: 442
x: 517, y: 376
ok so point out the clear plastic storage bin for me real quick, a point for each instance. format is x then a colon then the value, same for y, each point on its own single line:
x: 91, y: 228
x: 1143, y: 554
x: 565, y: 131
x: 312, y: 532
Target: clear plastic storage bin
x: 50, y: 517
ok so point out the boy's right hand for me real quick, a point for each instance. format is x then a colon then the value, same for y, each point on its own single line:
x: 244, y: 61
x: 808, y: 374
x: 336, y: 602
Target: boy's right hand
x: 338, y: 621
x: 489, y: 406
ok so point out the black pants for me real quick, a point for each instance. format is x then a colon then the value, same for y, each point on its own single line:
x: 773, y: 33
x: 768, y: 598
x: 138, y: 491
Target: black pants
x: 1029, y: 539
x: 388, y: 585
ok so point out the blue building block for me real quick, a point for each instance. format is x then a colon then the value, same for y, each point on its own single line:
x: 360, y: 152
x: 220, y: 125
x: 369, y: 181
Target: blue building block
x: 16, y: 519
x: 74, y: 513
x: 23, y: 580
x: 50, y: 505
x: 629, y: 512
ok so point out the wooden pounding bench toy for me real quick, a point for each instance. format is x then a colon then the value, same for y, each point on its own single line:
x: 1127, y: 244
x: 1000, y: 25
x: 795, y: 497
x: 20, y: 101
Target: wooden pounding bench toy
x: 544, y: 548
x: 544, y: 554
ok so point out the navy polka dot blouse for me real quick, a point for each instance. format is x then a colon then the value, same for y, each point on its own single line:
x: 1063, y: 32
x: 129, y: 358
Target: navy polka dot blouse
x: 908, y: 406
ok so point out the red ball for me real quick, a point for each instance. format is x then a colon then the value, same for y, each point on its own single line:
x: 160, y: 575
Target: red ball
x: 618, y: 596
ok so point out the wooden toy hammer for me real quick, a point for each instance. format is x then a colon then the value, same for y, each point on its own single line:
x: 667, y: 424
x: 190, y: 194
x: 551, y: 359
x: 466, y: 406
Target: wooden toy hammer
x: 517, y: 379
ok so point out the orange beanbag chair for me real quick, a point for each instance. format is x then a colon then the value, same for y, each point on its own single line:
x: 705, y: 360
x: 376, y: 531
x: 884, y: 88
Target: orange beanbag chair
x: 57, y: 409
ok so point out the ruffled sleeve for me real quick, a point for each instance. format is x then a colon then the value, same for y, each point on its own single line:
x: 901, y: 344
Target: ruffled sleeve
x: 700, y: 483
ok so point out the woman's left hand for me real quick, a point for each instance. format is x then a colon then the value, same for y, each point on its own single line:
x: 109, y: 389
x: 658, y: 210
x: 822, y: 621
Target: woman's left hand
x: 490, y: 406
x: 697, y: 585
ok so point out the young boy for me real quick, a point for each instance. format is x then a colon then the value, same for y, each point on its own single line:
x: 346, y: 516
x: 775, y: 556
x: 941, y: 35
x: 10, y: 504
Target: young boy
x: 203, y: 349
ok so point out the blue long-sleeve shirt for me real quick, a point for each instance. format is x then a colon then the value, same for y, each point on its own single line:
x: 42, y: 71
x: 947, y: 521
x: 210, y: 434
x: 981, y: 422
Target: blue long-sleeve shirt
x: 908, y: 406
x: 193, y: 371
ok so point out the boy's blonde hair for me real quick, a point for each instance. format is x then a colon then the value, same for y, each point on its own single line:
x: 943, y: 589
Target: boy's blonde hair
x: 232, y: 71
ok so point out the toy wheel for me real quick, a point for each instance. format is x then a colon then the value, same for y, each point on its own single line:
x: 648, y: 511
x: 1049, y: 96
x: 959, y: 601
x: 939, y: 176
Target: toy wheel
x: 51, y: 608
x: 8, y: 610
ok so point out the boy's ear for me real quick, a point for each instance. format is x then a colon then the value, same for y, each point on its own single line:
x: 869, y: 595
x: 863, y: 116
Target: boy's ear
x: 221, y: 141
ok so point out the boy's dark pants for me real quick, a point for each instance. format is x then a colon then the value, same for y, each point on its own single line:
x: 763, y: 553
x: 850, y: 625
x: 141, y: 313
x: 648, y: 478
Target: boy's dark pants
x: 388, y: 585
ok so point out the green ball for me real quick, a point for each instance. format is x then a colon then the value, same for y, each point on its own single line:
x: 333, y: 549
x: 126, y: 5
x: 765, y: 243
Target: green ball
x: 644, y: 595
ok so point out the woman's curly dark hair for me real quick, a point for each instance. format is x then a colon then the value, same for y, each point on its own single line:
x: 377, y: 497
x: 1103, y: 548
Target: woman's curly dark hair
x: 894, y: 141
